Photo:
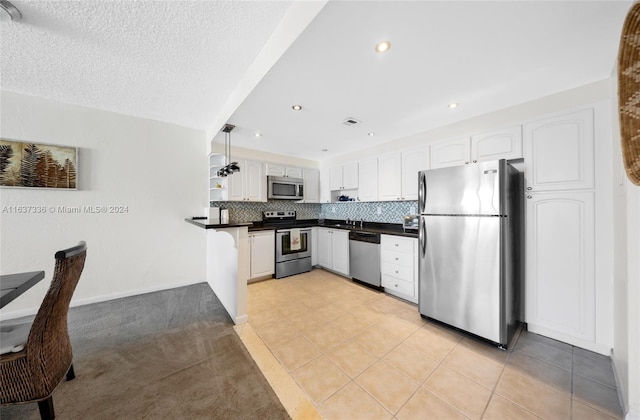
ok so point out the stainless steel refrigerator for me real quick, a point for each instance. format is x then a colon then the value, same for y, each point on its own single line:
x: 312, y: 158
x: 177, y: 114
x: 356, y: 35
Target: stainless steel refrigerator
x: 470, y: 248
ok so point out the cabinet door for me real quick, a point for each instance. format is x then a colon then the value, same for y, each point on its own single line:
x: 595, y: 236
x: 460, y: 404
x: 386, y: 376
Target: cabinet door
x: 350, y: 176
x: 275, y: 170
x: 235, y: 184
x: 335, y: 178
x: 262, y: 254
x: 390, y: 177
x: 558, y: 152
x: 560, y: 251
x: 450, y: 153
x: 255, y: 182
x: 340, y: 251
x: 324, y: 248
x: 293, y: 172
x: 494, y: 145
x: 413, y: 161
x: 311, y: 179
x: 368, y: 180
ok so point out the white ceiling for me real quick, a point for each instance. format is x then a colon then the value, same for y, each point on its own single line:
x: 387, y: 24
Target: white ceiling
x: 182, y: 61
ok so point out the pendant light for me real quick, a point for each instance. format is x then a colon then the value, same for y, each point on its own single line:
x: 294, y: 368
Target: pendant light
x: 230, y: 167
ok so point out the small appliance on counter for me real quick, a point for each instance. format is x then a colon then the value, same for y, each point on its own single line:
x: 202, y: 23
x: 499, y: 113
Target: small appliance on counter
x: 411, y: 223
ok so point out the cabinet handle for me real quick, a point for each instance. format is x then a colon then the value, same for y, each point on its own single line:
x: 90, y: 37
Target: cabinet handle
x: 475, y: 161
x: 396, y: 271
x: 529, y: 188
x: 396, y: 285
x: 396, y: 244
x: 529, y: 197
x: 396, y: 258
x: 466, y: 163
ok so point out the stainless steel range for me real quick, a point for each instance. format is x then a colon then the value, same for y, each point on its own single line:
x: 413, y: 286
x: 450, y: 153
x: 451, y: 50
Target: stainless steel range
x: 293, y: 245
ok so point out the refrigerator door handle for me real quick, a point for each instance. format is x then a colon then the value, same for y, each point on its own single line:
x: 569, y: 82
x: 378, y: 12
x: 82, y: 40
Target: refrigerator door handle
x: 422, y: 192
x: 423, y: 239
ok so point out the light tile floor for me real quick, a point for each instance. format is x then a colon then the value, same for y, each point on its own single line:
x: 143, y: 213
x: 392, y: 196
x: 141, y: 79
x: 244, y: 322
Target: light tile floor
x: 360, y: 354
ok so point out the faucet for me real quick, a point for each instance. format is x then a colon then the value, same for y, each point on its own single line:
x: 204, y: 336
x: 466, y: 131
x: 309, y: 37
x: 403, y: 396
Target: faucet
x: 360, y: 223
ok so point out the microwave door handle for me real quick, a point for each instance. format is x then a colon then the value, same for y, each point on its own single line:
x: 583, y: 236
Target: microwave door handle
x: 300, y: 190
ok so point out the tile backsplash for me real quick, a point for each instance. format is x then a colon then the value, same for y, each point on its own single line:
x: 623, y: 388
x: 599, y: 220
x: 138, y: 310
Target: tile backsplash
x: 382, y: 212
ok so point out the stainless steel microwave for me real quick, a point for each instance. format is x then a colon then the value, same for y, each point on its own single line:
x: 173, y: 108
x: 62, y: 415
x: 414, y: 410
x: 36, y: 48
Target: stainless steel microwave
x: 285, y: 188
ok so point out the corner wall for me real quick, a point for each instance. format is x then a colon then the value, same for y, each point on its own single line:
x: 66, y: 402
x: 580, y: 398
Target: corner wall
x: 156, y: 171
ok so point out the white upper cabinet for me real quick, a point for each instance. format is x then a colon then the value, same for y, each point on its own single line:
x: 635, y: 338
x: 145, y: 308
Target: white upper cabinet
x: 450, y: 153
x: 368, y: 180
x: 505, y: 143
x: 413, y: 161
x: 344, y: 177
x: 559, y: 152
x: 249, y: 184
x: 494, y: 145
x: 311, y: 179
x: 390, y: 177
x: 273, y: 169
x: 398, y: 174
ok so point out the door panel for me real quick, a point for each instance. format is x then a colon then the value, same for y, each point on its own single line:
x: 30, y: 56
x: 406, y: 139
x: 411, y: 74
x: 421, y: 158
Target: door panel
x: 460, y: 273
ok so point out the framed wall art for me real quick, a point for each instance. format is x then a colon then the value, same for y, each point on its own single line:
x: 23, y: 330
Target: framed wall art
x: 26, y: 164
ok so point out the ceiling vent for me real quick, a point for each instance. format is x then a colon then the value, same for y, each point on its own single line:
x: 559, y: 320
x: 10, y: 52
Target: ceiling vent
x: 350, y: 122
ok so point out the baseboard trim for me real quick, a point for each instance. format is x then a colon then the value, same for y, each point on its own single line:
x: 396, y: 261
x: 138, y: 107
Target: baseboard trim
x: 103, y: 298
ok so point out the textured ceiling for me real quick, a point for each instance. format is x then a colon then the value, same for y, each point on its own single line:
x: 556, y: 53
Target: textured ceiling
x: 173, y: 61
x: 186, y: 62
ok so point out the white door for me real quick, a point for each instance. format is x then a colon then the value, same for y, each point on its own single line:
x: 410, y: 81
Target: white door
x: 262, y: 253
x: 235, y: 183
x: 311, y: 179
x: 324, y: 248
x: 368, y: 180
x: 350, y: 176
x: 390, y: 177
x: 293, y: 172
x: 560, y: 277
x: 500, y: 144
x: 255, y: 182
x: 335, y: 178
x: 413, y: 161
x: 340, y: 251
x: 559, y: 152
x: 450, y: 153
x: 275, y: 170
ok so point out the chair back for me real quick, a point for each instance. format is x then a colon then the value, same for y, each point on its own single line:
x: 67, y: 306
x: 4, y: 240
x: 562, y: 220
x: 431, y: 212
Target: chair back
x: 48, y: 348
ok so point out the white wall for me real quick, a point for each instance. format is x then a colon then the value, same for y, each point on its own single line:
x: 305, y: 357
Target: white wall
x: 252, y: 154
x: 157, y: 170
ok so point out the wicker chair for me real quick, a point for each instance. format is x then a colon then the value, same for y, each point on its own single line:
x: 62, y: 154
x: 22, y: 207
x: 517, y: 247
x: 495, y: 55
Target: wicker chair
x: 32, y: 374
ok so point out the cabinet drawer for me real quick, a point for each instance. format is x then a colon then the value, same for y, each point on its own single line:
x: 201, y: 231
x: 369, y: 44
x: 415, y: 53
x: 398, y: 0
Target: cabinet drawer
x: 397, y: 285
x: 398, y: 258
x: 397, y: 243
x: 402, y: 272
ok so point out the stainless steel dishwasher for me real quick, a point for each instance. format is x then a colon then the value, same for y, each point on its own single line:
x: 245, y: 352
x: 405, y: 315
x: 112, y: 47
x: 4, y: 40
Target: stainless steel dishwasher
x: 364, y: 257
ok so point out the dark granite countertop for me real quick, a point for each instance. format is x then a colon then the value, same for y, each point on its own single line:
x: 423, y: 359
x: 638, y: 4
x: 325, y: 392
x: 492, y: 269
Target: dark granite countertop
x: 207, y: 224
x: 382, y: 228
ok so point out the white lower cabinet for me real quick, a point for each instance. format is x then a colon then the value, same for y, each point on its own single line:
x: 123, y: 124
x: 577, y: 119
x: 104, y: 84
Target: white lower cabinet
x: 560, y: 252
x: 333, y: 250
x: 262, y: 253
x: 399, y: 266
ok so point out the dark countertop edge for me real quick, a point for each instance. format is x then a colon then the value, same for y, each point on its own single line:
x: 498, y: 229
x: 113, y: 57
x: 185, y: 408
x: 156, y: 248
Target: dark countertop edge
x: 204, y: 223
x: 375, y: 227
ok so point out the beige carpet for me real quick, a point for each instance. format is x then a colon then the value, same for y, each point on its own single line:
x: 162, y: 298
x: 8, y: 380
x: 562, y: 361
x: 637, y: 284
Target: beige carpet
x: 198, y: 371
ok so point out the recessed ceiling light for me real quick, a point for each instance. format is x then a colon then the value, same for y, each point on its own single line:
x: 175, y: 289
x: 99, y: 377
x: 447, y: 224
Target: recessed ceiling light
x: 383, y: 46
x: 371, y: 134
x: 453, y: 105
x: 258, y: 134
x: 297, y: 107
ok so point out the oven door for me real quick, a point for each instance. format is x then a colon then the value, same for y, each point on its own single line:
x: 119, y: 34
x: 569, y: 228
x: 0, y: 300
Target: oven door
x: 284, y: 251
